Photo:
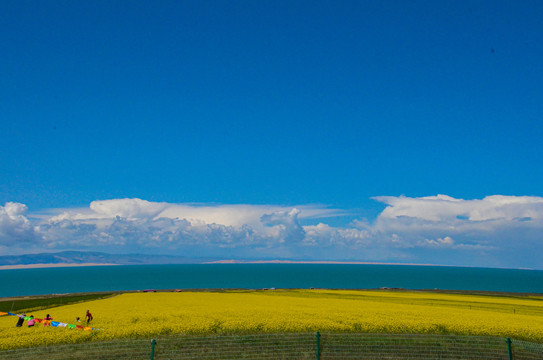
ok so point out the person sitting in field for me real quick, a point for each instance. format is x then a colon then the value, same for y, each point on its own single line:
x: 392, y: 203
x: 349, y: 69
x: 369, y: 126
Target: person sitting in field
x: 32, y: 321
x: 21, y: 320
x: 47, y: 320
x: 88, y: 316
x: 78, y: 319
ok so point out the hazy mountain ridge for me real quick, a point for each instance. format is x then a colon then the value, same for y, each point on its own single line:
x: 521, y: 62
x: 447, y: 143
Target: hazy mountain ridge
x: 82, y: 257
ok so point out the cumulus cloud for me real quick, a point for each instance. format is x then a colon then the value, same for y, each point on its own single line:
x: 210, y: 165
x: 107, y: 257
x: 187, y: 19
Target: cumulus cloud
x: 134, y: 224
x: 443, y: 215
x: 15, y: 228
x: 447, y: 241
x: 286, y: 224
x: 230, y: 215
x: 445, y: 208
x: 493, y: 231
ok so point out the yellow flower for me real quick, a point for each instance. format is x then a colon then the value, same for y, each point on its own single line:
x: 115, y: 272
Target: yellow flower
x: 151, y: 314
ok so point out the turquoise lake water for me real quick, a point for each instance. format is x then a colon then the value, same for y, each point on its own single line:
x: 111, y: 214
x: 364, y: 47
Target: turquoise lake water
x: 256, y: 276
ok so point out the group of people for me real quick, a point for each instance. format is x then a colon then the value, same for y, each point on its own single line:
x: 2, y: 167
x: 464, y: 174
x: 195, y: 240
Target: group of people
x: 47, y: 320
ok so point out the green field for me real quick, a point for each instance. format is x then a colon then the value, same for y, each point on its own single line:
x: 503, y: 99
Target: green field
x: 33, y: 303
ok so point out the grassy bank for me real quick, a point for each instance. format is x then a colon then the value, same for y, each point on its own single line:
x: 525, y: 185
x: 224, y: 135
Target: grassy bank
x: 33, y: 303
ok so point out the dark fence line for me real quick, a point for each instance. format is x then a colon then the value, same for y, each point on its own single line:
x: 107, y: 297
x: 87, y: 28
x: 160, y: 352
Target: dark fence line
x: 319, y: 346
x: 352, y: 346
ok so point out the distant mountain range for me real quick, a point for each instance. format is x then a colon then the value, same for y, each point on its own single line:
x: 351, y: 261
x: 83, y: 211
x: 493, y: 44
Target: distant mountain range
x: 85, y: 257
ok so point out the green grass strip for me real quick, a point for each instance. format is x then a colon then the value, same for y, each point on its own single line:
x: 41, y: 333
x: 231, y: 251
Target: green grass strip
x: 42, y: 302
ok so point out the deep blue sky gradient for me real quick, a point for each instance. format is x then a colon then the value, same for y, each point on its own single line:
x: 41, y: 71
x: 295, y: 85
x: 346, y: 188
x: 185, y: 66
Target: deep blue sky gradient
x: 269, y: 102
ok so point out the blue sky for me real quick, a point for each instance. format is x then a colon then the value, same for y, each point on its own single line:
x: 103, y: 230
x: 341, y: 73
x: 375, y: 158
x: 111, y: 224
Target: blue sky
x: 283, y: 105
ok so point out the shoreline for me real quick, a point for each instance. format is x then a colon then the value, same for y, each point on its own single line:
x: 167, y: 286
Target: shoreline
x: 318, y: 262
x: 226, y: 290
x: 43, y: 266
x: 242, y: 262
x: 332, y: 262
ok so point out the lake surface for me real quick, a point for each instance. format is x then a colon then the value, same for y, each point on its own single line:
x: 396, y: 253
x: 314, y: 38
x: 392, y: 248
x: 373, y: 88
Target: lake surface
x: 256, y: 276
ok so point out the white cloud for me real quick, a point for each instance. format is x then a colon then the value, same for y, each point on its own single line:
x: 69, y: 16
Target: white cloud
x: 15, y: 228
x: 134, y: 224
x: 493, y: 231
x: 285, y: 224
x: 440, y: 216
x: 446, y: 208
x: 229, y: 215
x: 127, y: 208
x: 447, y: 241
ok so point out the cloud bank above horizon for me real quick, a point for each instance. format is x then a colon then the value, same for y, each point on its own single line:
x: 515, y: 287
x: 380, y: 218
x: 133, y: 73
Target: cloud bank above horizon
x: 496, y: 231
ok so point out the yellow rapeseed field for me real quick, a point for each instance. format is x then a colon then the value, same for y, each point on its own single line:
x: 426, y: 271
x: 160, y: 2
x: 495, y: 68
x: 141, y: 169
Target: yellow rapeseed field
x: 152, y: 314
